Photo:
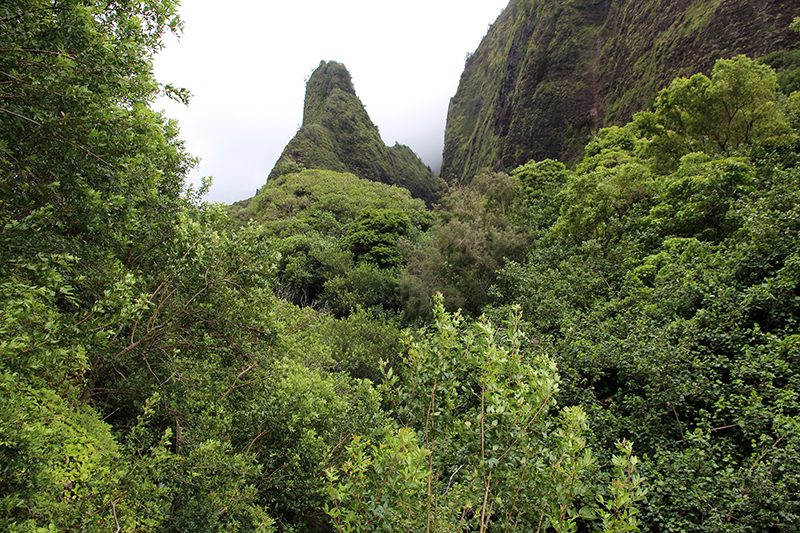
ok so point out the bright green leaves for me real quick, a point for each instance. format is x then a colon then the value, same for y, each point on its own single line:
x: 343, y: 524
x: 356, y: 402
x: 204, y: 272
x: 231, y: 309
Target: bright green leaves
x: 121, y: 301
x: 180, y: 335
x: 32, y: 328
x: 611, y: 184
x: 187, y: 330
x: 374, y: 236
x: 379, y: 487
x: 294, y: 428
x: 58, y: 461
x: 696, y: 198
x: 541, y: 181
x: 90, y: 180
x: 212, y: 490
x: 678, y: 160
x: 618, y: 513
x: 78, y: 80
x: 153, y: 381
x: 481, y: 444
x: 324, y: 201
x: 594, y: 203
x: 720, y: 115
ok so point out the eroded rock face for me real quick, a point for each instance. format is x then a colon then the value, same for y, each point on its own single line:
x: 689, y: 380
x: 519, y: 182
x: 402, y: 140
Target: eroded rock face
x: 337, y: 134
x: 549, y: 73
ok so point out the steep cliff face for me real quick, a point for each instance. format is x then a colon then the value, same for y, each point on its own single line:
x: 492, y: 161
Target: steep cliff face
x: 337, y: 134
x: 549, y: 73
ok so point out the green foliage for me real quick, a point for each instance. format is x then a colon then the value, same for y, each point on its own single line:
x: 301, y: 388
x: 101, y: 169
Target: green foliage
x: 307, y: 263
x: 325, y: 201
x: 361, y: 341
x: 734, y: 108
x: 541, y: 181
x: 343, y: 239
x: 365, y: 285
x: 138, y: 327
x: 90, y: 180
x: 696, y: 199
x: 294, y: 429
x: 326, y: 78
x: 673, y: 318
x: 58, y: 461
x: 481, y: 226
x: 82, y: 152
x: 378, y: 488
x: 480, y: 445
x: 786, y: 63
x: 414, y: 176
x: 373, y: 237
x: 610, y: 183
x: 618, y: 514
x: 153, y: 379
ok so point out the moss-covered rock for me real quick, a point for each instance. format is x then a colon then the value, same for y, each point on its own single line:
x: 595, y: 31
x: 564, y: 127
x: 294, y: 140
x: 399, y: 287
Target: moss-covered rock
x: 550, y: 73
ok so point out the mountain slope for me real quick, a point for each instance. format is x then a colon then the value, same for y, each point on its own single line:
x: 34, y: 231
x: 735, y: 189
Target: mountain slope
x: 548, y: 74
x: 337, y: 134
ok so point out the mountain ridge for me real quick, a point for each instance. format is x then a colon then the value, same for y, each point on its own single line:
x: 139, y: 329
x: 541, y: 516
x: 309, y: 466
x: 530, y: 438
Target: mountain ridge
x: 548, y: 75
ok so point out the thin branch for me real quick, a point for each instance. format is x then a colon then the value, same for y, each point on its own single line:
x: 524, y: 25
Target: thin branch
x: 20, y: 116
x: 764, y: 454
x: 713, y: 430
x: 680, y: 425
x: 114, y: 512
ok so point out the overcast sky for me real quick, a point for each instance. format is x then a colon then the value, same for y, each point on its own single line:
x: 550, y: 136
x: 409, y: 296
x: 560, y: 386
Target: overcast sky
x: 246, y: 62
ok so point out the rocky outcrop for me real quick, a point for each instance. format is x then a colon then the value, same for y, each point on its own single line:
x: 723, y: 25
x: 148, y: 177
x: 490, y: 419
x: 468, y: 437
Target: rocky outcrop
x: 337, y: 134
x: 550, y: 73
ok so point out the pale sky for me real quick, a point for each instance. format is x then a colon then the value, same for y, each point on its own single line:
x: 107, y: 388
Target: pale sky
x: 246, y: 62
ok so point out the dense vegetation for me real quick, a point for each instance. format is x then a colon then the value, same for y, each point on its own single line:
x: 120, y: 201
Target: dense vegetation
x: 343, y: 240
x: 625, y: 358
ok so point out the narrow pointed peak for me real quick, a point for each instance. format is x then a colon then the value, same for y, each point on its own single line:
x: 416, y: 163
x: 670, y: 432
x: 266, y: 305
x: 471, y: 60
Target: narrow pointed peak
x: 326, y: 78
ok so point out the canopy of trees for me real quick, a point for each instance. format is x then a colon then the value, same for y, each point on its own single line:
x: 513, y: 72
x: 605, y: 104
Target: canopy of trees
x: 626, y: 356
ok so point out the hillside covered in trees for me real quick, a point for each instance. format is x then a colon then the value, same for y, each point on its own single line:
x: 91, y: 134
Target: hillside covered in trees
x: 608, y: 346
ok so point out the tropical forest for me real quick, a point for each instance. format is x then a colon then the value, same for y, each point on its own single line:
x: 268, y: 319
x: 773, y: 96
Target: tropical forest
x: 587, y: 321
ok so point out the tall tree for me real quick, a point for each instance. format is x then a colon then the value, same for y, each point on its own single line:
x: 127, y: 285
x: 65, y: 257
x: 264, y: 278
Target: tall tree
x: 90, y: 195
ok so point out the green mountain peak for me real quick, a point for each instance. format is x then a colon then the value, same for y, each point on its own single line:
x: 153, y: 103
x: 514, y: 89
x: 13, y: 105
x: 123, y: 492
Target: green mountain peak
x: 337, y: 134
x: 327, y: 78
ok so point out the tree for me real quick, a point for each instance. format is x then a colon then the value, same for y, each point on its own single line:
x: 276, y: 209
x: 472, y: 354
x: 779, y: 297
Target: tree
x: 610, y: 184
x: 374, y: 236
x: 674, y: 318
x: 480, y: 444
x: 83, y: 156
x: 481, y: 226
x: 720, y: 115
x: 95, y: 239
x: 541, y: 182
